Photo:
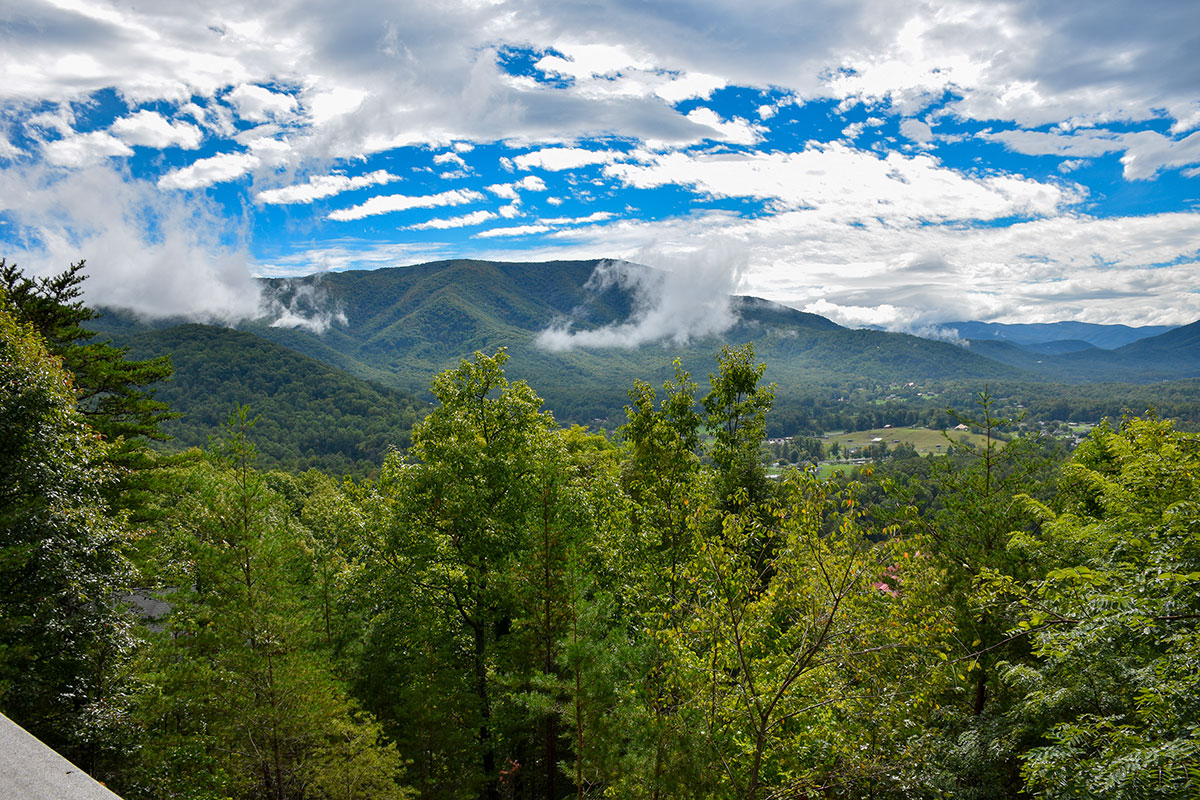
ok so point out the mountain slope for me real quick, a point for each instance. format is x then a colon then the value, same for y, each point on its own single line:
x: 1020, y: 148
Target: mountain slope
x: 399, y: 326
x: 313, y: 415
x: 411, y: 322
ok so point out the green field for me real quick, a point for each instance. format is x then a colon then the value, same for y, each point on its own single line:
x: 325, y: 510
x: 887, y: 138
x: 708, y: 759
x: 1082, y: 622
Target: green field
x: 923, y: 439
x: 825, y: 470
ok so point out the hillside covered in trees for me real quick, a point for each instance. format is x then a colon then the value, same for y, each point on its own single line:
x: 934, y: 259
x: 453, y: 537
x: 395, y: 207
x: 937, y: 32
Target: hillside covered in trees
x: 512, y: 608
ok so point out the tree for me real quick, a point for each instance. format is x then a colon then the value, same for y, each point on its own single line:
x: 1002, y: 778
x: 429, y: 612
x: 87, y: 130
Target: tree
x: 799, y: 638
x: 1113, y: 619
x: 65, y: 637
x: 110, y: 390
x: 737, y: 407
x: 965, y: 513
x: 242, y: 700
x: 476, y: 505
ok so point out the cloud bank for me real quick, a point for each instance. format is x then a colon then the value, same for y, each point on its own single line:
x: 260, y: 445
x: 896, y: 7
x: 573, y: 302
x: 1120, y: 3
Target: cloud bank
x: 690, y: 300
x: 157, y: 255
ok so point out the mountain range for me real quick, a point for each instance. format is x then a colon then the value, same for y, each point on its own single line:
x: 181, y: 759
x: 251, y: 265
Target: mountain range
x: 1059, y: 337
x: 391, y: 329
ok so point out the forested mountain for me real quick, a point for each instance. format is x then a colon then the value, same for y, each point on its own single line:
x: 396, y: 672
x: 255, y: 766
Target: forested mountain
x: 312, y: 414
x: 397, y: 326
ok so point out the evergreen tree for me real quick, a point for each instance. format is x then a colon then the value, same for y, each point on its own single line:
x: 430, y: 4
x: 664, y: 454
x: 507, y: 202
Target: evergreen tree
x: 110, y: 390
x: 65, y: 636
x: 242, y: 700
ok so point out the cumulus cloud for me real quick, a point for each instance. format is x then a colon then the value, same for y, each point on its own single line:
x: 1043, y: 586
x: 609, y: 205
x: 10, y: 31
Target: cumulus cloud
x: 691, y: 300
x: 157, y: 255
x: 86, y: 149
x: 151, y: 129
x: 508, y: 191
x: 387, y: 204
x: 465, y: 220
x: 918, y: 131
x: 321, y: 186
x: 556, y: 159
x: 736, y: 130
x: 207, y: 171
x: 449, y: 158
x: 260, y: 105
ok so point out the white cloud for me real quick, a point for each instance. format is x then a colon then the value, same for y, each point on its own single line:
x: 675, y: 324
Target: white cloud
x: 736, y: 131
x: 328, y: 106
x: 84, y: 149
x: 515, y: 230
x: 387, y: 204
x: 508, y: 191
x: 302, y: 305
x: 151, y: 129
x: 916, y: 130
x: 321, y: 186
x: 1080, y: 144
x: 1145, y: 153
x: 157, y: 254
x: 556, y: 159
x: 688, y: 86
x: 7, y: 148
x: 588, y: 60
x: 690, y: 300
x: 207, y: 171
x: 599, y: 216
x: 852, y: 185
x: 449, y: 158
x: 466, y: 220
x: 531, y: 183
x: 260, y: 105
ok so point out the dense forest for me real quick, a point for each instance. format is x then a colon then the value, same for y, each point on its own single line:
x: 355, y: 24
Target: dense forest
x: 513, y: 608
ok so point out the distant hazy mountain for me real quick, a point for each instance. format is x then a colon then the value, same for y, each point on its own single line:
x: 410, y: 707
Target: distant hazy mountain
x: 1106, y: 337
x: 1174, y: 354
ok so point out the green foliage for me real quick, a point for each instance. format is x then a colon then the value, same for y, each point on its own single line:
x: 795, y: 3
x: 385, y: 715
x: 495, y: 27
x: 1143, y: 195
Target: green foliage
x: 111, y: 391
x: 737, y: 420
x: 1114, y: 619
x: 241, y: 700
x: 64, y: 635
x: 313, y: 416
x: 787, y: 641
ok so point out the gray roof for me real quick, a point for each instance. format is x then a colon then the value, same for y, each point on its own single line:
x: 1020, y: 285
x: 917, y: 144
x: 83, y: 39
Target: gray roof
x: 30, y: 770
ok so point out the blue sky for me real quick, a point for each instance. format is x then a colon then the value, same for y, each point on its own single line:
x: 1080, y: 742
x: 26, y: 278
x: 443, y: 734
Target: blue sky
x: 897, y: 164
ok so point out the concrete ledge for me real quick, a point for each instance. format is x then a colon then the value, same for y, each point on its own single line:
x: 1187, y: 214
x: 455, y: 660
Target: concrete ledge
x: 29, y: 770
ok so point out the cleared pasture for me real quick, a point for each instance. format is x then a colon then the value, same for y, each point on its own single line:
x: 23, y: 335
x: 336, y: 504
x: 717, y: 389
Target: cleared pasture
x: 925, y: 441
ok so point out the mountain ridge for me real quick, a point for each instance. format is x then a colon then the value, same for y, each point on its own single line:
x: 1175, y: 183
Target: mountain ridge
x: 397, y: 326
